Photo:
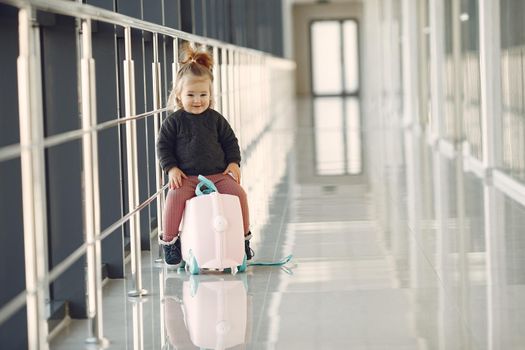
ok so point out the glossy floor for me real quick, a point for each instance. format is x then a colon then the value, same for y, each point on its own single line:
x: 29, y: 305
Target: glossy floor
x: 395, y: 247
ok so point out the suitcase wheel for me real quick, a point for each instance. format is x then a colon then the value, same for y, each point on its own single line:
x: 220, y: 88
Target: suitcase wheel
x: 243, y: 267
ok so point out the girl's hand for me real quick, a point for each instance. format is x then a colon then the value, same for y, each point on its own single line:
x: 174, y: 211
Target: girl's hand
x: 234, y: 169
x: 175, y: 177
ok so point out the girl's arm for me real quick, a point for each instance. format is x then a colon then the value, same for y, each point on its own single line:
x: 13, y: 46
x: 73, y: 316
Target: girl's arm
x: 175, y: 176
x: 166, y: 145
x: 234, y: 170
x: 229, y: 142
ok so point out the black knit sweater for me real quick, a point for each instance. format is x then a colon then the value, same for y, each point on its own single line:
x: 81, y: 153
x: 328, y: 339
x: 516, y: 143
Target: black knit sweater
x: 198, y: 144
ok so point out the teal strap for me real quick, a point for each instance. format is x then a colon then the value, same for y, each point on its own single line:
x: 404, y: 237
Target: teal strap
x: 210, y: 187
x: 271, y: 263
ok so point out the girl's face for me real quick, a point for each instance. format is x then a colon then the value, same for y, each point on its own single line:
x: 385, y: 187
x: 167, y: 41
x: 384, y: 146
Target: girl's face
x: 195, y: 94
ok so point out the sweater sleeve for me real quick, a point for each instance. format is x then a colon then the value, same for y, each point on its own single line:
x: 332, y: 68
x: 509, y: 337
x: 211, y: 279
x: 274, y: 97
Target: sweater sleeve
x: 229, y: 142
x: 166, y: 144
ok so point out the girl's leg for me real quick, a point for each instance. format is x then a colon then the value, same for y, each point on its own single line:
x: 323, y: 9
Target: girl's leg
x: 174, y: 207
x: 226, y: 184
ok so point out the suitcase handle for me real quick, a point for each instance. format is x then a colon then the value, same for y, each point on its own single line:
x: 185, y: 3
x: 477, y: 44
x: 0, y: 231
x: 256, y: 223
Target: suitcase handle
x: 210, y: 187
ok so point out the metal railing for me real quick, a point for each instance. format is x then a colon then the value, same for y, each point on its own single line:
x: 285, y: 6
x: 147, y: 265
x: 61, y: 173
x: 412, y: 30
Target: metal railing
x: 229, y: 93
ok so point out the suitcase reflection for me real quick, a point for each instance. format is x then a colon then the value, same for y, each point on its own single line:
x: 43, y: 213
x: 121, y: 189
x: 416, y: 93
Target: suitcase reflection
x: 212, y: 313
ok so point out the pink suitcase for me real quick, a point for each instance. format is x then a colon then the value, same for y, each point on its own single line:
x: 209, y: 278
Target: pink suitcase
x: 212, y: 234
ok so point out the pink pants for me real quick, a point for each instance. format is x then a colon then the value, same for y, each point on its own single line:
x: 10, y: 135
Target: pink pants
x: 176, y: 201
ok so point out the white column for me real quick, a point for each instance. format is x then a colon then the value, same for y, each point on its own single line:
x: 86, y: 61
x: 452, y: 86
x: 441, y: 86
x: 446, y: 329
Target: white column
x: 458, y: 75
x: 387, y: 64
x: 437, y: 54
x: 490, y: 81
x: 410, y: 62
x: 496, y: 269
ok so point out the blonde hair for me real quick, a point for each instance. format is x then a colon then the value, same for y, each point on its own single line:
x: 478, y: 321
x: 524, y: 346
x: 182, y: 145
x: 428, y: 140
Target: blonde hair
x: 197, y: 63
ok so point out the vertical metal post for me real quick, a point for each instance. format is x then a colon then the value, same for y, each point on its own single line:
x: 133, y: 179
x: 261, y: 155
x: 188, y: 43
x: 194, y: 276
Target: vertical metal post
x: 251, y: 92
x: 265, y: 83
x: 131, y: 146
x: 259, y: 84
x: 246, y: 87
x: 224, y: 81
x: 241, y: 94
x: 175, y: 64
x: 157, y: 120
x: 237, y: 91
x: 437, y: 52
x: 216, y: 79
x: 165, y: 65
x: 231, y: 93
x: 91, y: 188
x: 33, y: 181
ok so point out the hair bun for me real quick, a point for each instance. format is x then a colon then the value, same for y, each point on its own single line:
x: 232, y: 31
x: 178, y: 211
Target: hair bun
x: 200, y: 56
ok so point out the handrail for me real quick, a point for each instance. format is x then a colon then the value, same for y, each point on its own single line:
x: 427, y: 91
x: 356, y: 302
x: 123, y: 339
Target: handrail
x: 18, y: 302
x: 125, y: 218
x: 85, y: 11
x: 13, y: 151
x: 78, y: 10
x: 73, y: 257
x: 12, y: 306
x: 10, y: 152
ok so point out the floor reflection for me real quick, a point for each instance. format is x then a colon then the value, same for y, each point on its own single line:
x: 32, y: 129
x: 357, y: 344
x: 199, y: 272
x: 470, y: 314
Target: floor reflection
x: 435, y: 213
x: 206, y: 311
x: 337, y: 133
x: 411, y: 253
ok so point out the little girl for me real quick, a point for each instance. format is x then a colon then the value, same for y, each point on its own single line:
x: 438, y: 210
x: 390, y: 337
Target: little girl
x: 194, y: 140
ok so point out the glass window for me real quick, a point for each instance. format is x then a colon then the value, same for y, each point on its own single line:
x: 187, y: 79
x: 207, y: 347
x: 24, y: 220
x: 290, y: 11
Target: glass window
x: 335, y: 57
x: 326, y: 58
x: 351, y: 57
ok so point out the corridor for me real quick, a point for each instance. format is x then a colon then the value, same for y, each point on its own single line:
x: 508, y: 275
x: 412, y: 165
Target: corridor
x: 396, y: 257
x: 382, y: 147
